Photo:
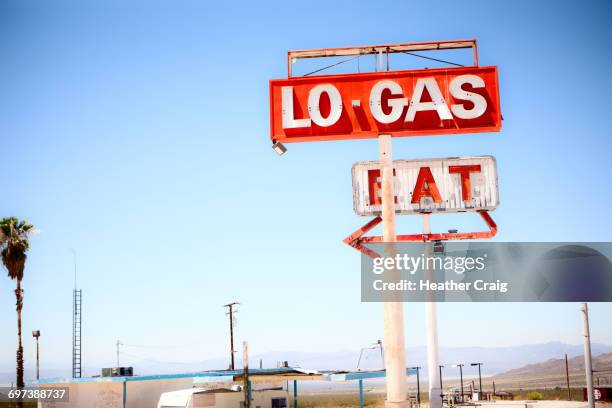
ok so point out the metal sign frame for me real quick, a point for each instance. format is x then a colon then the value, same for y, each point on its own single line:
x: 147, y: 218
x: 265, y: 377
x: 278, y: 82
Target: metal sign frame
x: 383, y: 49
x: 357, y: 239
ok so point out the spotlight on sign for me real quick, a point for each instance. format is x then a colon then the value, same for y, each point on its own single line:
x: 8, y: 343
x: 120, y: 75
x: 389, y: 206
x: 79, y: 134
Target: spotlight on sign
x: 438, y: 247
x: 279, y: 148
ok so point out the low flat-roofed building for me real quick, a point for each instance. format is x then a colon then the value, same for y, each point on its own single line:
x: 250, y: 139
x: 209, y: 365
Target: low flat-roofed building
x: 145, y: 391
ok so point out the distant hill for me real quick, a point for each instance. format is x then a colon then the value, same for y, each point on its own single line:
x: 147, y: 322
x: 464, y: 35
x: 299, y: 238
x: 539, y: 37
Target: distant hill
x: 555, y: 365
x: 551, y: 373
x: 495, y: 359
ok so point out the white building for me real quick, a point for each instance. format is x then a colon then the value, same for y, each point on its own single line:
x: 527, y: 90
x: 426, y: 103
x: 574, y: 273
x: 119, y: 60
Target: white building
x: 269, y: 389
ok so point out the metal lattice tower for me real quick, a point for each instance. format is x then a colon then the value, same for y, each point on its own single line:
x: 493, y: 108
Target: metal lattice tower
x: 76, y: 333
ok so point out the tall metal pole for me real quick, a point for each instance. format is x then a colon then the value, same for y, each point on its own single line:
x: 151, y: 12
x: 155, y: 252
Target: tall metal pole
x: 118, y: 344
x: 479, y: 379
x: 77, y: 325
x: 37, y: 360
x: 418, y: 386
x: 569, y: 394
x: 36, y: 335
x: 588, y: 364
x: 431, y: 325
x: 395, y: 354
x: 361, y: 404
x: 461, y: 377
x: 382, y: 353
x: 230, y: 306
x: 441, y: 386
x: 231, y: 318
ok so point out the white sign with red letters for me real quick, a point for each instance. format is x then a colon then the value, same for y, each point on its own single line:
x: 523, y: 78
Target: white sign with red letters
x: 455, y: 184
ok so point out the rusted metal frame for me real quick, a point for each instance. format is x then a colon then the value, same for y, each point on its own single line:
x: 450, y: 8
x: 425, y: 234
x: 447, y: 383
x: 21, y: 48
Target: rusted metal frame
x: 356, y: 239
x: 475, y: 52
x: 355, y: 236
x: 386, y: 48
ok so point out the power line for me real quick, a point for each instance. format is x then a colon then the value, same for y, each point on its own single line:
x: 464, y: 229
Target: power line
x: 160, y: 347
x: 332, y: 65
x: 403, y: 52
x: 428, y: 58
x: 123, y: 353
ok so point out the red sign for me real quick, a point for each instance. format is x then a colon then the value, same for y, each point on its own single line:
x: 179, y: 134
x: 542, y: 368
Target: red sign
x: 400, y: 103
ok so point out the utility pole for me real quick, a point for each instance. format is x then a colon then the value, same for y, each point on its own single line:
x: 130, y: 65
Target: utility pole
x: 247, y: 382
x: 588, y: 363
x: 417, y: 368
x: 230, y: 313
x: 479, y: 380
x: 569, y: 394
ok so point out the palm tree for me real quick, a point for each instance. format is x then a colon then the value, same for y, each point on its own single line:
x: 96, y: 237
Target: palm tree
x: 14, y: 244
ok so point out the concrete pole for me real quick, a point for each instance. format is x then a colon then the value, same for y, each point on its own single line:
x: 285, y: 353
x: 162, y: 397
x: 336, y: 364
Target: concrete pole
x: 431, y: 324
x: 588, y: 365
x: 395, y: 353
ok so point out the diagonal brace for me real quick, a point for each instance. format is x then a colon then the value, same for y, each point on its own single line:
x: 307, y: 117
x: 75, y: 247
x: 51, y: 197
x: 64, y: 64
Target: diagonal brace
x: 356, y: 239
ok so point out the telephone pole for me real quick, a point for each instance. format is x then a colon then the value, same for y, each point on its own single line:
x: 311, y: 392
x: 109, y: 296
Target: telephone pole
x: 230, y: 313
x: 569, y: 393
x: 247, y: 382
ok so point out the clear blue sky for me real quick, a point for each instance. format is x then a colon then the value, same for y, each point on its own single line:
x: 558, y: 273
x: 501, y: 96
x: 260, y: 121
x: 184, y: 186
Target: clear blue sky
x: 137, y: 134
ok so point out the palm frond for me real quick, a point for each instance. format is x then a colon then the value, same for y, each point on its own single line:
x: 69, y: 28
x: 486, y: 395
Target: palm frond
x: 14, y: 243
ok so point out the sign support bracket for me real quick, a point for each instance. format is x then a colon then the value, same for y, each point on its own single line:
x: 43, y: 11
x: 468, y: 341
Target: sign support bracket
x: 357, y: 239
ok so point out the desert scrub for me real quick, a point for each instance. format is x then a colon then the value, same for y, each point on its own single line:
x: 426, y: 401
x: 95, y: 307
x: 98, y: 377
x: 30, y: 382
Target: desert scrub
x: 534, y: 395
